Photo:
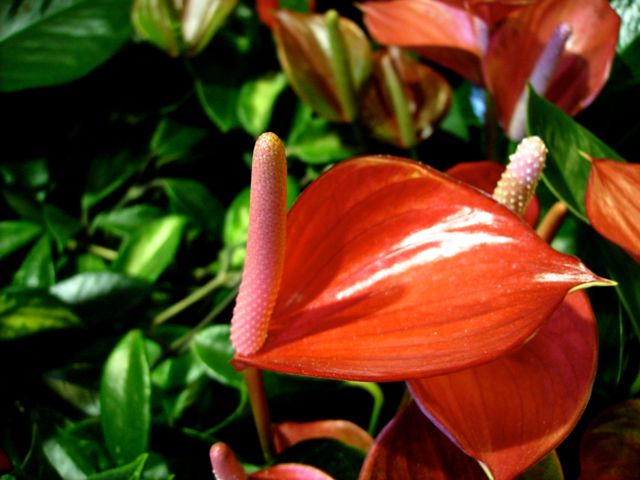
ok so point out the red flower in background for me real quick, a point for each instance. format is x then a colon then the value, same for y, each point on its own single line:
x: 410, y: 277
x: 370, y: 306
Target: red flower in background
x: 564, y: 48
x: 393, y: 271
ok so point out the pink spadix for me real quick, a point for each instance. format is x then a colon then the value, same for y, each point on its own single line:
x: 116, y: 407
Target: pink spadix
x: 265, y: 246
x: 518, y: 182
x: 540, y: 77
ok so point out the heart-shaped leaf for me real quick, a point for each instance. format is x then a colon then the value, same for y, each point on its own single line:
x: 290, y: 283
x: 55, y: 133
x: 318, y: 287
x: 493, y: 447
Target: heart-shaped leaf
x: 525, y: 403
x: 395, y: 271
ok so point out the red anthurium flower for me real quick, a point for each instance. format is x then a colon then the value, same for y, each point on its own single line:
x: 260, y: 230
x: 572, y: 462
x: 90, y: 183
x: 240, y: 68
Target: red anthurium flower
x: 551, y: 44
x: 394, y: 271
x: 287, y: 434
x: 266, y: 9
x: 612, y: 203
x: 227, y: 467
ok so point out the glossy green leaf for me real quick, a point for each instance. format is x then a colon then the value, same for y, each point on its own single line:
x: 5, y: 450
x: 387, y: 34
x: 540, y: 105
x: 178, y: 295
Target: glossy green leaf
x: 125, y: 399
x: 629, y: 11
x: 194, y: 200
x: 84, y: 399
x: 151, y: 249
x: 51, y: 42
x: 213, y: 348
x: 101, y: 295
x: 566, y: 172
x: 335, y: 458
x: 37, y: 270
x: 631, y: 55
x: 67, y: 455
x: 257, y: 100
x: 23, y: 314
x: 316, y: 141
x: 130, y: 471
x: 172, y: 139
x: 107, y: 174
x: 549, y: 468
x: 16, y: 233
x: 124, y: 221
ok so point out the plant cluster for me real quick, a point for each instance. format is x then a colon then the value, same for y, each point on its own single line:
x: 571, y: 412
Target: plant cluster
x: 393, y: 282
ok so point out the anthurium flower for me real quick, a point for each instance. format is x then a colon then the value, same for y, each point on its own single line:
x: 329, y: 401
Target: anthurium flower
x: 180, y: 26
x: 227, y: 467
x: 404, y: 99
x: 266, y: 9
x: 394, y: 271
x: 327, y: 60
x: 551, y: 44
x: 612, y: 203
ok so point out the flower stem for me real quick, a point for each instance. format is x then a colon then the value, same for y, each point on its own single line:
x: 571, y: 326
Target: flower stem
x: 340, y: 65
x: 260, y: 409
x: 552, y: 221
x: 399, y: 101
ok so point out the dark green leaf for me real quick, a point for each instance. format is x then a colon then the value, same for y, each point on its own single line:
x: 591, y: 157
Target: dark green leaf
x: 125, y: 221
x: 172, y: 140
x: 125, y: 399
x: 85, y: 399
x: 29, y: 174
x: 213, y: 348
x: 340, y: 461
x: 24, y: 314
x: 67, y: 455
x: 16, y: 233
x: 219, y: 99
x: 566, y: 172
x: 130, y: 471
x: 631, y: 56
x: 151, y: 249
x: 257, y: 100
x: 107, y: 174
x: 194, y: 200
x: 47, y: 42
x: 236, y: 220
x: 101, y: 295
x: 24, y: 205
x: 63, y: 227
x: 37, y: 270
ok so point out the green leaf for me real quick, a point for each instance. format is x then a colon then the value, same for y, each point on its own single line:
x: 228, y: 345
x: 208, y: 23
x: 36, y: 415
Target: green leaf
x: 151, y: 249
x: 67, y: 456
x: 107, y: 174
x: 335, y: 458
x: 219, y: 101
x: 549, y: 468
x: 626, y: 272
x: 30, y: 174
x: 48, y: 42
x: 172, y: 139
x: 84, y: 399
x: 124, y: 221
x: 130, y: 471
x: 213, y: 348
x: 629, y: 11
x: 631, y: 56
x: 125, y: 399
x: 236, y: 220
x: 566, y: 172
x: 101, y: 295
x: 16, y: 233
x: 37, y: 270
x: 257, y: 100
x: 315, y: 140
x: 23, y: 314
x: 194, y: 200
x: 63, y: 227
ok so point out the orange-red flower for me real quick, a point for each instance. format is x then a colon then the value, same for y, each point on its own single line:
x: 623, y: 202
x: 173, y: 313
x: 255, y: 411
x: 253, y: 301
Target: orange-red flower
x: 563, y: 48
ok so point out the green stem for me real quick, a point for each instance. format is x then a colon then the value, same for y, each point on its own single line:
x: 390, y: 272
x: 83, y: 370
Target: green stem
x: 399, y: 102
x: 260, y: 408
x: 103, y: 252
x: 340, y: 65
x: 378, y: 400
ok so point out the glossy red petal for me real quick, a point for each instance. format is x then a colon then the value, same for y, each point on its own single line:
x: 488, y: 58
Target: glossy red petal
x: 410, y: 446
x: 394, y: 271
x: 446, y: 33
x: 613, y: 203
x: 610, y: 448
x: 291, y: 471
x: 583, y: 66
x: 290, y: 433
x: 266, y: 9
x: 511, y: 412
x: 484, y: 175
